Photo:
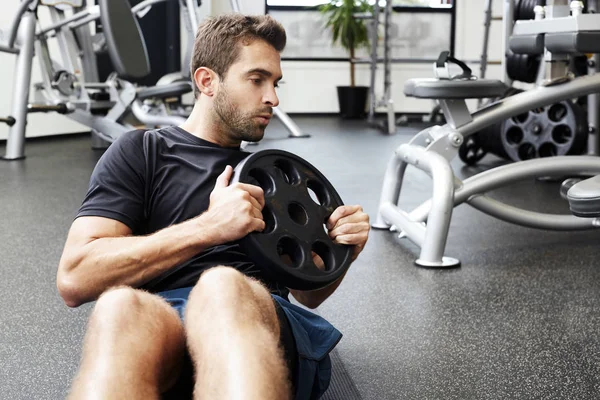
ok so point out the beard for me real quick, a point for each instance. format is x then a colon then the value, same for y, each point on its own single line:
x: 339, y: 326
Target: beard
x: 241, y: 126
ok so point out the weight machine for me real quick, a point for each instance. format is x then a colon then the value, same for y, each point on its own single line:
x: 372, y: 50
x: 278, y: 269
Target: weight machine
x: 70, y: 86
x: 559, y: 32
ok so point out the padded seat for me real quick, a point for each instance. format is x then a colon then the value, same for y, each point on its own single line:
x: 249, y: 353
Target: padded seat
x: 163, y: 91
x: 584, y: 198
x: 124, y: 40
x: 573, y: 42
x: 454, y: 89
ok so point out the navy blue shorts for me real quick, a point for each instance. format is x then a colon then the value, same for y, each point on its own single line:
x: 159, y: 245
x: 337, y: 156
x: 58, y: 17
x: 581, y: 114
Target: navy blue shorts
x: 306, y: 339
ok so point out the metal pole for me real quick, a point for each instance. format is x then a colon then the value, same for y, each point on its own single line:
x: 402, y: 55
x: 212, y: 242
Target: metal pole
x: 373, y: 62
x: 593, y: 100
x: 486, y: 37
x: 15, y: 143
x: 507, y: 28
x: 387, y: 85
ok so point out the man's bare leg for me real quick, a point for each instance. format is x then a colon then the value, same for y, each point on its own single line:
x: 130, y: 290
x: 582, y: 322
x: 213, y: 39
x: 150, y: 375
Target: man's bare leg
x: 233, y: 337
x: 132, y: 349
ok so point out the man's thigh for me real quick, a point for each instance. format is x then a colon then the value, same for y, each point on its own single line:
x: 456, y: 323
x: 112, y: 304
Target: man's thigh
x: 178, y: 299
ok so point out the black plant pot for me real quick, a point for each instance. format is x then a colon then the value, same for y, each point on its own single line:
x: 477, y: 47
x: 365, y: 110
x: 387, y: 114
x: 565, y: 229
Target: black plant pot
x: 353, y: 101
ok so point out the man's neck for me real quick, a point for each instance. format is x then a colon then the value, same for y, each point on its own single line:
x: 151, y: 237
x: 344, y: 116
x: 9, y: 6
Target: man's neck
x: 206, y: 125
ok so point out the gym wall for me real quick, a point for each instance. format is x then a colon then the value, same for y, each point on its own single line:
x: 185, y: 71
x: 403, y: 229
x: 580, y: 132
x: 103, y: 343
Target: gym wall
x: 303, y: 79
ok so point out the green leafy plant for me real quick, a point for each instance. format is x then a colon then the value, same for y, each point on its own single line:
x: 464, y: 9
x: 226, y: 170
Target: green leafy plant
x: 350, y: 32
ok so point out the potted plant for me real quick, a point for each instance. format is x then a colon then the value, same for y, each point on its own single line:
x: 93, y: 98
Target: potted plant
x: 352, y: 34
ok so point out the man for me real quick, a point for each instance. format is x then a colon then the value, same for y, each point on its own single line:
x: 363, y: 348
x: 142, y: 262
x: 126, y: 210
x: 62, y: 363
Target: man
x: 155, y: 242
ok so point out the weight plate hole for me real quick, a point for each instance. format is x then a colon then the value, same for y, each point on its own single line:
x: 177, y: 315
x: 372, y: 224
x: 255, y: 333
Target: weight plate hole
x: 514, y: 135
x: 259, y: 177
x: 548, y: 150
x: 526, y: 151
x: 289, y: 173
x: 519, y: 119
x: 557, y: 112
x: 269, y: 219
x: 298, y: 213
x: 317, y: 192
x: 289, y: 251
x: 324, y: 252
x: 561, y: 134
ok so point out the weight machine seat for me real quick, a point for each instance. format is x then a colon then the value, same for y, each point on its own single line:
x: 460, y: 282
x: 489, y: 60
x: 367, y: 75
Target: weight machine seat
x: 573, y: 42
x: 428, y: 88
x: 584, y: 198
x: 175, y: 89
x: 124, y: 40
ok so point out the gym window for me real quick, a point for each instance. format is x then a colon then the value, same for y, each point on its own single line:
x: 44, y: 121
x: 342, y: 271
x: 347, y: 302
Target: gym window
x: 399, y: 3
x: 420, y: 30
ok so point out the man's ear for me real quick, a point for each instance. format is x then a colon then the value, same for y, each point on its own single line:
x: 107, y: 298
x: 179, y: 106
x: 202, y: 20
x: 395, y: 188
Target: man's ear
x: 206, y: 80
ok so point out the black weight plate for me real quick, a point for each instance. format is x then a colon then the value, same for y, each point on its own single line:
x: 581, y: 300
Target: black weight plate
x: 294, y: 221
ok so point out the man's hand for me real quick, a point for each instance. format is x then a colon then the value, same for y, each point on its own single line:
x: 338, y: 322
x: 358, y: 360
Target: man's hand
x: 349, y: 225
x: 235, y: 210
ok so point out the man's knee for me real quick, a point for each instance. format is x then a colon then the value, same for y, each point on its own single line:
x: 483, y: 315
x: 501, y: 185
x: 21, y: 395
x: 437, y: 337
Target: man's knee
x: 226, y: 289
x: 225, y: 283
x: 125, y: 306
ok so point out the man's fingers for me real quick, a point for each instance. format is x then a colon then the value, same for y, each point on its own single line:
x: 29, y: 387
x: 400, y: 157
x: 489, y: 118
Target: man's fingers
x: 350, y: 228
x: 258, y: 225
x: 351, y: 239
x: 255, y: 191
x: 340, y: 213
x: 224, y: 178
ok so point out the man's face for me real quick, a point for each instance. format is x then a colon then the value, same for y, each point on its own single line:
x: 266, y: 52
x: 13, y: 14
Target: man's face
x: 246, y: 96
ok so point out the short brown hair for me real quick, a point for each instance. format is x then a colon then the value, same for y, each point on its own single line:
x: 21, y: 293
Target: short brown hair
x: 218, y: 40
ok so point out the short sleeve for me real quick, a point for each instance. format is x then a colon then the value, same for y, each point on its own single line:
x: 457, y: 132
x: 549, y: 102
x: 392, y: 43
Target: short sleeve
x: 118, y: 183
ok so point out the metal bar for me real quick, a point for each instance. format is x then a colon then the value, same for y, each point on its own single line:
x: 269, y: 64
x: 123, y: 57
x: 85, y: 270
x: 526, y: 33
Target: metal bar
x: 373, y: 61
x: 72, y: 18
x: 507, y: 29
x: 390, y: 191
x: 414, y: 230
x: 583, y: 22
x: 510, y: 173
x: 6, y: 49
x: 15, y: 143
x: 486, y: 36
x: 392, y: 60
x: 149, y: 119
x: 193, y: 18
x: 539, y: 97
x: 532, y: 219
x: 593, y: 104
x: 66, y: 43
x: 83, y: 21
x: 236, y: 6
x: 147, y: 3
x: 89, y: 62
x: 14, y: 29
x: 442, y: 201
x: 291, y: 126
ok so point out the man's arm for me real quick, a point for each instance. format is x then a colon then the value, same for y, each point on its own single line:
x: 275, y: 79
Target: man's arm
x: 347, y: 225
x: 100, y: 253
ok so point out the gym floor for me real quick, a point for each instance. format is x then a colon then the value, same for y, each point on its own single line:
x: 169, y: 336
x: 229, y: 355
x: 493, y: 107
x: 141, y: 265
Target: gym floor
x: 519, y: 319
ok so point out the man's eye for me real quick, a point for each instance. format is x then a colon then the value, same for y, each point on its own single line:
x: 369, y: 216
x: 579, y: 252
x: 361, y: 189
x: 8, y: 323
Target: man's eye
x: 257, y: 81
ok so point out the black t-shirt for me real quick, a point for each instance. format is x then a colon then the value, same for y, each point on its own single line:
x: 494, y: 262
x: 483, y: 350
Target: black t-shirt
x: 150, y: 180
